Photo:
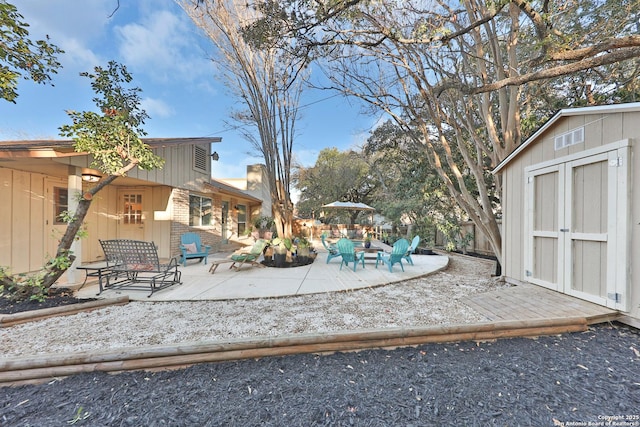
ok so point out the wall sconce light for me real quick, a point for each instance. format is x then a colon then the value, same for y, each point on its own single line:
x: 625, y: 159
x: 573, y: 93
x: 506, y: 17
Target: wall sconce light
x: 90, y: 177
x: 215, y: 156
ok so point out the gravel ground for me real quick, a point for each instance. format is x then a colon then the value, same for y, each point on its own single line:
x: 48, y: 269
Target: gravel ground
x: 573, y: 379
x: 433, y: 300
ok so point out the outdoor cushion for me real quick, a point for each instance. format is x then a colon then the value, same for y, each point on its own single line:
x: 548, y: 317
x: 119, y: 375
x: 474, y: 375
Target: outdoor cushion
x: 191, y: 248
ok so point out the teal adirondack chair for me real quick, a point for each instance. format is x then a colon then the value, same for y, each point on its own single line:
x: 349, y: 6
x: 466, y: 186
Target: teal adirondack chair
x: 395, y: 257
x: 349, y: 254
x: 191, y: 247
x: 414, y: 244
x: 332, y: 250
x: 251, y: 257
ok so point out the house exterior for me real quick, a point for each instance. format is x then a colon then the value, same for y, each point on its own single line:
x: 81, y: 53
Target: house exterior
x: 256, y: 183
x: 40, y: 179
x: 571, y: 207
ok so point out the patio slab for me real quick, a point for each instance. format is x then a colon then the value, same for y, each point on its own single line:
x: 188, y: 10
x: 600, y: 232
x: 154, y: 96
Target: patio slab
x: 253, y: 282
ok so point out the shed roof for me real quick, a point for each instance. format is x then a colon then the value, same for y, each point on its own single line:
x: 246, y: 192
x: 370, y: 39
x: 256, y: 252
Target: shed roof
x: 567, y: 112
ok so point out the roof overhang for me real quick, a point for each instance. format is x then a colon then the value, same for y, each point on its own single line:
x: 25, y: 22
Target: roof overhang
x: 567, y: 112
x: 222, y: 188
x: 50, y: 148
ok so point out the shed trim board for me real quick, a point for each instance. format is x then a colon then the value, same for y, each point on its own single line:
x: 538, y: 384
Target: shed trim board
x: 568, y: 112
x: 585, y: 257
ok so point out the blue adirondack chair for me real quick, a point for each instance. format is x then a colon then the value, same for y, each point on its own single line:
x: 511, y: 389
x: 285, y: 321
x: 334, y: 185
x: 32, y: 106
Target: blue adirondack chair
x: 191, y: 247
x: 414, y: 244
x: 332, y: 250
x: 395, y: 257
x: 349, y: 254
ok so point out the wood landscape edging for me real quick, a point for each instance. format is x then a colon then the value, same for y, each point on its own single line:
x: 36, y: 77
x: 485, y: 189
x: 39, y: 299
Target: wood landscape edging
x: 40, y: 368
x: 7, y: 320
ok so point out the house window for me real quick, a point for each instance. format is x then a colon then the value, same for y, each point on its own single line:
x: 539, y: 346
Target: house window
x: 242, y: 219
x: 132, y: 209
x: 200, y: 209
x: 200, y: 158
x: 60, y: 204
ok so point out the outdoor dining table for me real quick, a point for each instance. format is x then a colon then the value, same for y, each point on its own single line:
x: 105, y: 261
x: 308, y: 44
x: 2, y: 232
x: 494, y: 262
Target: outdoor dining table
x: 373, y: 249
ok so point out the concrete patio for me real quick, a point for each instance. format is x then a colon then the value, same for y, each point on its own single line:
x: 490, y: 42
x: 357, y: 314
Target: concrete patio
x: 255, y: 282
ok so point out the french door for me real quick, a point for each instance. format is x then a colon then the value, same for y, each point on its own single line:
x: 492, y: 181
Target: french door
x: 576, y: 221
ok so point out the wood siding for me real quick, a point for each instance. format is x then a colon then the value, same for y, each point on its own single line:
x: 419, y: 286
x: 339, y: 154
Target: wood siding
x: 178, y: 170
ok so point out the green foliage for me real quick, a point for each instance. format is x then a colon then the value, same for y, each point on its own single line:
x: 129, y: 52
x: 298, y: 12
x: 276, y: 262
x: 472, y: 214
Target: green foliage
x: 263, y: 222
x: 302, y: 242
x: 455, y: 238
x: 113, y: 135
x: 20, y: 56
x: 80, y: 415
x: 281, y: 245
x: 336, y: 175
x: 23, y: 286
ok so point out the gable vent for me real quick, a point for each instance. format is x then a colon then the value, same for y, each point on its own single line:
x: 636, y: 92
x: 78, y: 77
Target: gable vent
x: 199, y: 158
x: 573, y: 137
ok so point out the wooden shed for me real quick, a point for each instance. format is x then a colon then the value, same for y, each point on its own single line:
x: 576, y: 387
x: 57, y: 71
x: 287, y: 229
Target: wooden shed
x: 571, y: 207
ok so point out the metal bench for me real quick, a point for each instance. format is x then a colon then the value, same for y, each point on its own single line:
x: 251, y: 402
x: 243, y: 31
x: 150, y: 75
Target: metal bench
x: 135, y: 265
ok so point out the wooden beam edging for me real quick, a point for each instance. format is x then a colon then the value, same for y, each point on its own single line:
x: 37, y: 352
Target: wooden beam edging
x: 7, y: 320
x: 22, y: 369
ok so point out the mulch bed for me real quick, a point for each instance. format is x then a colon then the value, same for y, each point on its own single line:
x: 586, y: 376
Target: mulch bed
x: 56, y: 298
x: 581, y: 378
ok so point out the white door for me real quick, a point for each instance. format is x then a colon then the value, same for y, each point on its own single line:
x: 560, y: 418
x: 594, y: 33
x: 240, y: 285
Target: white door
x: 545, y: 190
x: 132, y: 214
x: 576, y: 227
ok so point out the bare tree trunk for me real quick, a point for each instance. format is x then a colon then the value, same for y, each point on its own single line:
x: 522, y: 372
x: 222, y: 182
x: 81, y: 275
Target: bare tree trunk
x: 267, y: 81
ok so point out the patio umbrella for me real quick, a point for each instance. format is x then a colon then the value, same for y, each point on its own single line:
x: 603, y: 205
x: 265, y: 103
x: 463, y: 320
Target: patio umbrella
x: 351, y: 206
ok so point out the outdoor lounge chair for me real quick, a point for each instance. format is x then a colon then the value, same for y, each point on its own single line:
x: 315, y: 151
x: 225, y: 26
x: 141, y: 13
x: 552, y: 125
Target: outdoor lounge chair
x: 191, y: 247
x: 250, y: 257
x: 349, y: 254
x: 414, y: 244
x: 395, y: 257
x: 332, y: 250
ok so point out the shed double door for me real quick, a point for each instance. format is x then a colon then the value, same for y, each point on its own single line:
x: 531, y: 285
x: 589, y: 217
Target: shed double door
x: 576, y: 227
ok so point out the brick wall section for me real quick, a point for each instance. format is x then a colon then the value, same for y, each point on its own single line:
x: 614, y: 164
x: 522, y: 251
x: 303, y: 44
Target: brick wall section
x: 180, y: 223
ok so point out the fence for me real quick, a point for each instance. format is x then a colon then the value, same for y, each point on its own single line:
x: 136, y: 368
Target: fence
x: 479, y: 244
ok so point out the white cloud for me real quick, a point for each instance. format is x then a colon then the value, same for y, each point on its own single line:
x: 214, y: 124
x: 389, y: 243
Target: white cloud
x: 77, y: 57
x: 157, y: 108
x: 83, y: 20
x: 163, y: 45
x: 72, y: 26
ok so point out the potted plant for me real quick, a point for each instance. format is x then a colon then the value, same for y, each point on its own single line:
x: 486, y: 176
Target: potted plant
x: 264, y: 224
x: 268, y: 253
x: 302, y: 250
x: 367, y: 241
x: 280, y: 248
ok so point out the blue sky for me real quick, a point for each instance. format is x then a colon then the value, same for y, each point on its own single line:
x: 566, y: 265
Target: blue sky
x: 168, y: 58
